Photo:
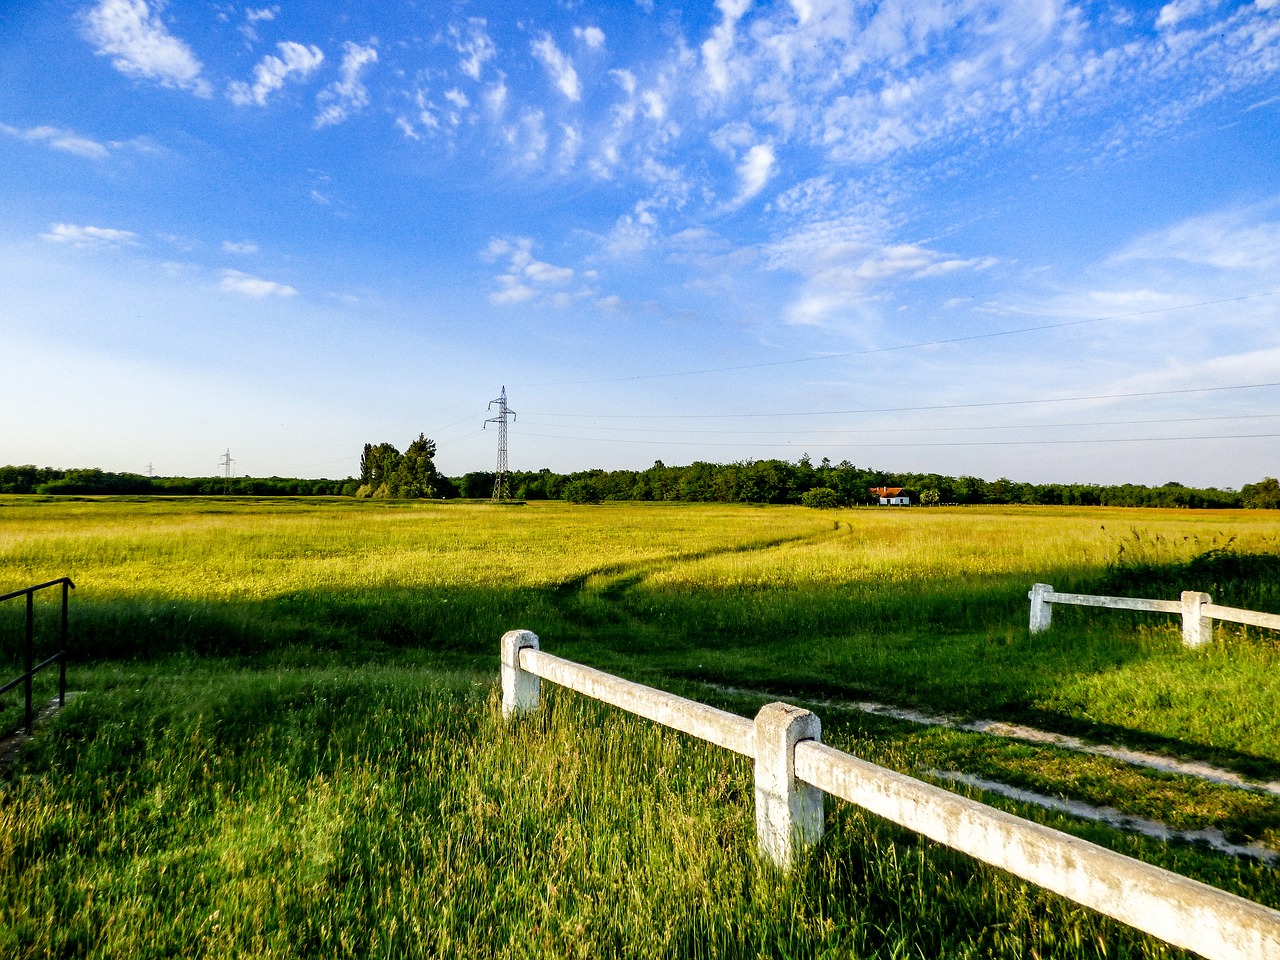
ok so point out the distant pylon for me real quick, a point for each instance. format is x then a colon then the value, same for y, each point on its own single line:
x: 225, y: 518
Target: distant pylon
x: 501, y: 489
x: 226, y: 462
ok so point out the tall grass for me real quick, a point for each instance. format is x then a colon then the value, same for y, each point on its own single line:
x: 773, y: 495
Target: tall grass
x: 289, y: 743
x: 197, y: 812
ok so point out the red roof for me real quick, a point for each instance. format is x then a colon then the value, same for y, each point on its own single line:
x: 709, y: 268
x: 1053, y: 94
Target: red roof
x: 885, y: 491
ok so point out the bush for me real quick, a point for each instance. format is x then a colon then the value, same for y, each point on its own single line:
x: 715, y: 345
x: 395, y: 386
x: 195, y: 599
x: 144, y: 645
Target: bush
x: 581, y: 491
x: 820, y: 498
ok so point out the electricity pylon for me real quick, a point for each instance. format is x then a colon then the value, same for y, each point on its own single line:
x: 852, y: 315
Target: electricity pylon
x: 226, y: 462
x: 501, y: 489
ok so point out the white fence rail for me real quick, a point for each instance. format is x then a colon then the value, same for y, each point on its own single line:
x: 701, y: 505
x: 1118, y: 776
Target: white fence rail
x: 793, y: 769
x: 1197, y: 609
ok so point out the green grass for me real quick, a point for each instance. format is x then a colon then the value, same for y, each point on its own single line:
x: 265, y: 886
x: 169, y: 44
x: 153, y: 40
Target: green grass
x: 184, y: 809
x: 289, y: 743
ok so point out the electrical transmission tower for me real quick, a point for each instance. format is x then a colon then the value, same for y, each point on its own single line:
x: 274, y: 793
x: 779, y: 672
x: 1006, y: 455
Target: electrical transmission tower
x: 226, y: 463
x: 501, y: 489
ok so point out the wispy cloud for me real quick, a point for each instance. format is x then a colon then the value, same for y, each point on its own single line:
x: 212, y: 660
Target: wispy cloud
x: 525, y: 277
x: 717, y: 48
x: 233, y: 281
x: 347, y: 95
x: 59, y: 139
x: 87, y: 236
x: 845, y: 264
x: 243, y: 246
x: 559, y: 67
x: 473, y: 43
x: 140, y: 45
x: 252, y: 17
x: 1235, y: 240
x: 295, y: 61
x: 756, y: 169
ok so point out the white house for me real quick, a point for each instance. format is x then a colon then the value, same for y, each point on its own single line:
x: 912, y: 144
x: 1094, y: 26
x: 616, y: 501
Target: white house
x: 891, y: 496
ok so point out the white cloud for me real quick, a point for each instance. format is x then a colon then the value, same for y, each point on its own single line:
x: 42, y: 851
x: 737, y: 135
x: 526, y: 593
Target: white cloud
x: 59, y: 139
x: 233, y: 281
x: 525, y: 277
x: 244, y: 246
x: 593, y: 37
x: 845, y: 264
x: 347, y: 95
x: 475, y: 45
x: 528, y: 137
x: 558, y: 66
x: 89, y: 236
x: 1172, y: 14
x: 718, y: 47
x: 270, y: 74
x: 570, y: 144
x: 1228, y: 240
x: 252, y: 18
x: 140, y: 45
x: 495, y: 97
x: 755, y: 170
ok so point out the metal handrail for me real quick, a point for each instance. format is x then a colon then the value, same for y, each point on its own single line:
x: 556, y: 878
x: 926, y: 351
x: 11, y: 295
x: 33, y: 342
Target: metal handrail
x: 28, y: 652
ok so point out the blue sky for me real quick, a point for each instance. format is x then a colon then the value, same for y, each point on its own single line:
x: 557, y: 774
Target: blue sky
x: 1027, y: 239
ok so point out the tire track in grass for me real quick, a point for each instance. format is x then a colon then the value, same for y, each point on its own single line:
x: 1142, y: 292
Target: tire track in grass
x: 626, y: 575
x: 1037, y: 737
x: 1110, y: 816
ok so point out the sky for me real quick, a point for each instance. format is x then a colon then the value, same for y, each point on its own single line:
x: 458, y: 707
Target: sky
x: 1028, y: 239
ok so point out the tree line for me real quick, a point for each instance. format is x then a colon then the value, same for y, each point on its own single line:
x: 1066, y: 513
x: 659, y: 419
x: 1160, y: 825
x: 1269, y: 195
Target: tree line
x: 843, y: 484
x: 385, y: 472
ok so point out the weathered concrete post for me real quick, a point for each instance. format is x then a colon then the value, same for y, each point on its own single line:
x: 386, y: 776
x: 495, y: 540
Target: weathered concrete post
x: 788, y: 814
x: 1041, y: 609
x: 519, y: 687
x: 1197, y: 629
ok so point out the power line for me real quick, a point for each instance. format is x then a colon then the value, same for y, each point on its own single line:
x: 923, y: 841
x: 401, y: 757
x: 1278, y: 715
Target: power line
x: 908, y: 346
x: 895, y: 430
x: 957, y: 443
x: 936, y: 406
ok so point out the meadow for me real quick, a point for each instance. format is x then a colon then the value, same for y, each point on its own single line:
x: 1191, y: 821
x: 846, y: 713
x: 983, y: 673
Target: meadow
x: 288, y: 740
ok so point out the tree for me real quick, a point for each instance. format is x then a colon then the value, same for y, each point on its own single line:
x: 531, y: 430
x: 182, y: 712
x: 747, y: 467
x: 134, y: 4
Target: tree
x: 1264, y: 495
x: 929, y: 498
x: 415, y: 475
x: 386, y: 472
x: 820, y: 498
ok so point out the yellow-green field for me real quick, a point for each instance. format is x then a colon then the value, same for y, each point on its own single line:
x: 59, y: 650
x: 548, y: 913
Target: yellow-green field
x: 288, y: 743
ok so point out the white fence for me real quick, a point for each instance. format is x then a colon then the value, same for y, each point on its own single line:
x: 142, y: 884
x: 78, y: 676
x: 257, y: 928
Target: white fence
x: 1197, y: 609
x: 793, y: 769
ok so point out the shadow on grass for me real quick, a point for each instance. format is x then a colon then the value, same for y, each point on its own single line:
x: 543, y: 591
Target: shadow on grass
x: 955, y: 647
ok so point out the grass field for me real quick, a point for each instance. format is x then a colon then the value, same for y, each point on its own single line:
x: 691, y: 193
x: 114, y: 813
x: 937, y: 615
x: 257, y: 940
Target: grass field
x: 288, y: 743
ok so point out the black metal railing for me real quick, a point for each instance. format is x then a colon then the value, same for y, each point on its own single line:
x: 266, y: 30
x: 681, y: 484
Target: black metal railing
x: 28, y: 647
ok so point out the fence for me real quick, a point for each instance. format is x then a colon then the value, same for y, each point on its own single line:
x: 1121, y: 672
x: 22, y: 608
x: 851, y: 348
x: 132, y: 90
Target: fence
x: 1197, y: 609
x: 28, y: 648
x: 793, y: 769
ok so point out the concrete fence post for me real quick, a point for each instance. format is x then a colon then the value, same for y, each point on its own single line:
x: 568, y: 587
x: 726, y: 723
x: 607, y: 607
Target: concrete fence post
x: 1197, y: 629
x: 1041, y: 609
x: 520, y: 688
x: 788, y: 813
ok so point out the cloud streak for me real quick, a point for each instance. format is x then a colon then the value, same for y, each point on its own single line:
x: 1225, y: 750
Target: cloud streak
x: 296, y: 61
x: 140, y: 45
x: 234, y: 281
x: 89, y: 236
x: 59, y: 139
x: 347, y: 95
